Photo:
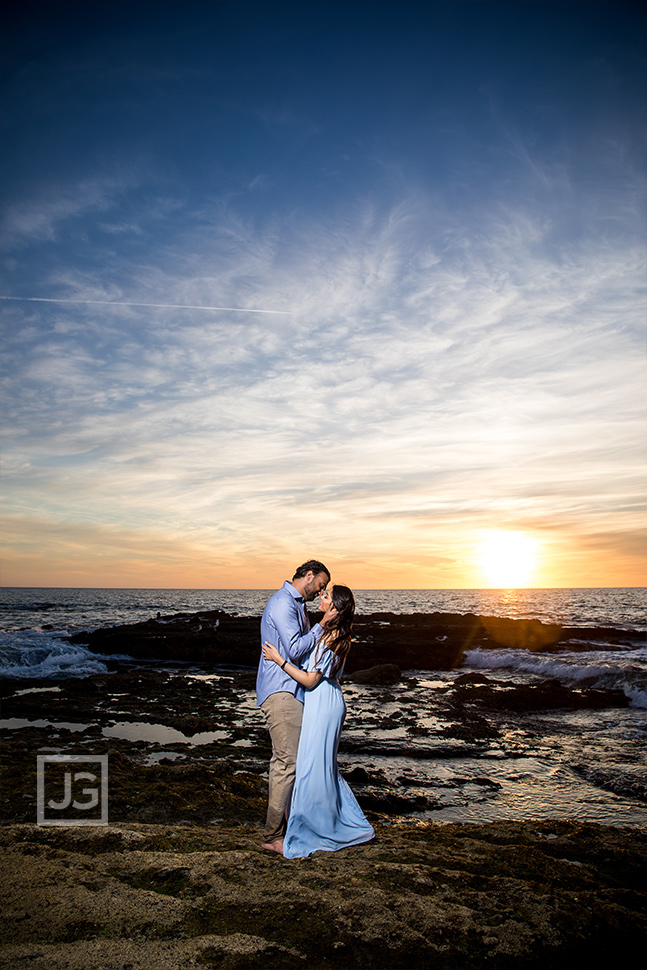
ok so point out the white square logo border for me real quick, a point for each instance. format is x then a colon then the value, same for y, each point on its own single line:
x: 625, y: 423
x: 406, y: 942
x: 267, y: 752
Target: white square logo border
x: 100, y: 789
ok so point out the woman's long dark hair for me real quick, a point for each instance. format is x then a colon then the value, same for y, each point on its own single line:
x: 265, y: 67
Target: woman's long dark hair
x: 337, y: 633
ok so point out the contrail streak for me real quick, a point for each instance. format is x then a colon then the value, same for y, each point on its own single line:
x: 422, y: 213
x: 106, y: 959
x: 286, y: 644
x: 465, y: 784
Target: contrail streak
x: 161, y: 306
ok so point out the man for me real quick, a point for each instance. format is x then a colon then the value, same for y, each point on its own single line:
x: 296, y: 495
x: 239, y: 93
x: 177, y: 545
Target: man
x: 285, y: 624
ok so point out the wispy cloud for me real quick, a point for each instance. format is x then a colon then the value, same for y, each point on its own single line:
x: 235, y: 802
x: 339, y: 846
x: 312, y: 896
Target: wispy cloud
x: 40, y: 219
x: 432, y: 379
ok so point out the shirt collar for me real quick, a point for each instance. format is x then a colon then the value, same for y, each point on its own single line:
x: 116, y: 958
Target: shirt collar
x: 293, y: 592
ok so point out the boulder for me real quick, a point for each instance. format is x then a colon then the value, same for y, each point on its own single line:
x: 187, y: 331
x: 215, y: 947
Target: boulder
x: 382, y: 674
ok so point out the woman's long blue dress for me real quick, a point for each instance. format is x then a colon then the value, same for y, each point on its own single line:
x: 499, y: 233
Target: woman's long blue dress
x: 324, y: 813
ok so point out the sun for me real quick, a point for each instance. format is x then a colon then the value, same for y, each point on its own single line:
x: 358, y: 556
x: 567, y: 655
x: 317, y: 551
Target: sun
x: 507, y: 558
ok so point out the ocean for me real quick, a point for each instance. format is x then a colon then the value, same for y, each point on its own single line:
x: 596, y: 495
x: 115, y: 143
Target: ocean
x: 587, y: 764
x: 34, y: 620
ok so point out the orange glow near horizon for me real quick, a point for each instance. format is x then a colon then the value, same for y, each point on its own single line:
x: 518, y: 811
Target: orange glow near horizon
x: 435, y: 558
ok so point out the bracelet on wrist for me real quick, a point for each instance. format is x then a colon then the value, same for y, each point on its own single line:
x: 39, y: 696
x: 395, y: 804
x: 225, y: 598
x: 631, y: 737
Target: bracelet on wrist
x: 283, y: 664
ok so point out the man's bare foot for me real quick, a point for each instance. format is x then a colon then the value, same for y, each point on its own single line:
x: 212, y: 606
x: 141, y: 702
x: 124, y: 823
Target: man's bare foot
x: 276, y: 846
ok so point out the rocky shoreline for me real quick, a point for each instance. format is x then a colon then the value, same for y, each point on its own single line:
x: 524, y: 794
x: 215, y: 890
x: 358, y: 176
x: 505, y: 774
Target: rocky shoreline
x: 158, y: 897
x: 178, y: 879
x: 424, y: 641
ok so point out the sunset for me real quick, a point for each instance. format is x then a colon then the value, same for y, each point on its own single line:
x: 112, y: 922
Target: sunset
x: 508, y: 559
x: 323, y: 548
x: 360, y: 282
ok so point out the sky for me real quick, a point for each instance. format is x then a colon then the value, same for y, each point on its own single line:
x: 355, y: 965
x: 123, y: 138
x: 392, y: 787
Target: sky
x: 360, y: 282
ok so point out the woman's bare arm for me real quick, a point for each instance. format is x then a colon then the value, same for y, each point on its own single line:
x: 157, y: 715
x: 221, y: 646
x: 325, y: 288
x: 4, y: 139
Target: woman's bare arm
x: 307, y: 678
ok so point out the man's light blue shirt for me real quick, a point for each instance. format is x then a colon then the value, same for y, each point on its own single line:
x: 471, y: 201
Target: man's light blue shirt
x: 286, y: 626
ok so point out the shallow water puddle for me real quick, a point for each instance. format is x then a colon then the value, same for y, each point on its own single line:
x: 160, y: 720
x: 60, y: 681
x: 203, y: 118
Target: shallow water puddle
x: 159, y: 733
x: 36, y: 690
x: 484, y: 790
x: 15, y: 723
x: 156, y: 756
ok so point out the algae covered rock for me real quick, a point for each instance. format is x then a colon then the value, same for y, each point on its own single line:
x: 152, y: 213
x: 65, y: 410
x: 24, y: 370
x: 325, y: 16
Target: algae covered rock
x: 381, y: 674
x: 507, y: 896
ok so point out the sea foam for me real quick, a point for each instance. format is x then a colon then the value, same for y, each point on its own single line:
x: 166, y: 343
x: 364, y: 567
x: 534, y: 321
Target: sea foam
x: 43, y: 654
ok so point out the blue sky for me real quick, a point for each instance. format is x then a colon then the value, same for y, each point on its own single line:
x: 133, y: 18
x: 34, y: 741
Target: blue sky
x: 358, y: 281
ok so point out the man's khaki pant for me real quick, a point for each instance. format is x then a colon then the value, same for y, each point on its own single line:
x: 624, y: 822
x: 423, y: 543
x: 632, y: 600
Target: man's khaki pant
x: 283, y: 713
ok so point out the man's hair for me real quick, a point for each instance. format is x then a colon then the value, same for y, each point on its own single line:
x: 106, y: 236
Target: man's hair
x: 311, y: 566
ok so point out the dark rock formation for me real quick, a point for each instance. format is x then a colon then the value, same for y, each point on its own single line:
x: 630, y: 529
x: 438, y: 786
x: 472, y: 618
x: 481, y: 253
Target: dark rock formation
x: 382, y: 674
x: 426, y: 641
x: 549, y: 695
x: 526, y: 634
x: 209, y: 636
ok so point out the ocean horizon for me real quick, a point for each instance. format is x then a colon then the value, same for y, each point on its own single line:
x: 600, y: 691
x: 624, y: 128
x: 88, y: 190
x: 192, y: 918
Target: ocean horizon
x: 88, y: 607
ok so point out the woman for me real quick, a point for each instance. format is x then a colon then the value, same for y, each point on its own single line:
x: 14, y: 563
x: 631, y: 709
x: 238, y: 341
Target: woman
x: 324, y: 813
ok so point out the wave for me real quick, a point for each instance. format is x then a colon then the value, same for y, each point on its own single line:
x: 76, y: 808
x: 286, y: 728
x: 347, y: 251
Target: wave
x: 608, y: 670
x: 33, y: 654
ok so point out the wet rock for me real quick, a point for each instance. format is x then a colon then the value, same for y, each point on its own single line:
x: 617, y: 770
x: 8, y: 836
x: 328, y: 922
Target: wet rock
x: 470, y: 679
x: 391, y: 803
x: 358, y: 775
x: 582, y: 638
x: 472, y: 727
x: 423, y: 641
x: 210, y: 636
x: 548, y: 695
x: 426, y: 641
x: 381, y: 674
x: 623, y: 783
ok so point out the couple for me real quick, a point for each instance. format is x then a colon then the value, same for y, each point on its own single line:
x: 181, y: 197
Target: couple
x: 305, y: 710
